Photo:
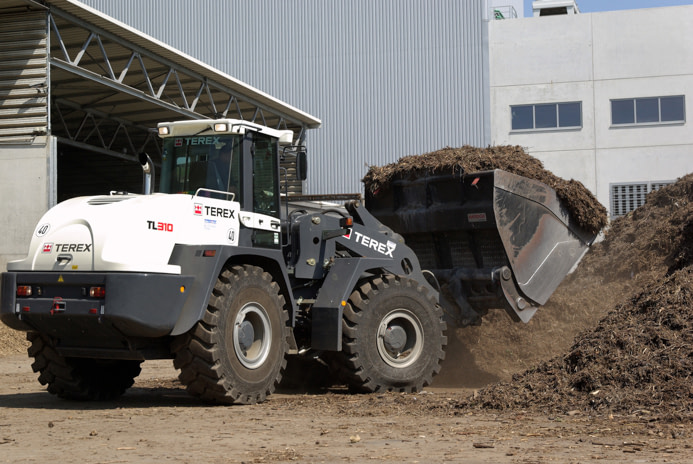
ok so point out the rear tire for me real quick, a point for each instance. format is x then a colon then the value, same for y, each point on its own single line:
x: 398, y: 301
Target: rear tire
x: 393, y: 336
x: 82, y: 379
x: 237, y: 352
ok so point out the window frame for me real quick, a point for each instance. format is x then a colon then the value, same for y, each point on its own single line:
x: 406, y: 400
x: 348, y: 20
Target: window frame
x: 659, y: 122
x: 557, y: 115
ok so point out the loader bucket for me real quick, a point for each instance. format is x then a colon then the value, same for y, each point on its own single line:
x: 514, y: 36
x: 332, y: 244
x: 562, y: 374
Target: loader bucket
x: 492, y: 239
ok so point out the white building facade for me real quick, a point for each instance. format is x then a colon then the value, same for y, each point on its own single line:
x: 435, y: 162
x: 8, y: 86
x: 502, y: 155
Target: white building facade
x: 602, y: 98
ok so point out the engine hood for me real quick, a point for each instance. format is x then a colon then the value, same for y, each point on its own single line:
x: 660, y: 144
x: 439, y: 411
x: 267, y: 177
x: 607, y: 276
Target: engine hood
x: 134, y: 233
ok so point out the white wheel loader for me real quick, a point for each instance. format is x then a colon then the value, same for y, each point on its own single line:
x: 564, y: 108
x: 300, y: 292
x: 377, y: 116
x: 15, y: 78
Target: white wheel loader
x: 223, y: 273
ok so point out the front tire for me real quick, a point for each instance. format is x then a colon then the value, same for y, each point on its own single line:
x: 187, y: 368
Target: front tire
x: 82, y: 379
x: 237, y: 352
x: 393, y: 336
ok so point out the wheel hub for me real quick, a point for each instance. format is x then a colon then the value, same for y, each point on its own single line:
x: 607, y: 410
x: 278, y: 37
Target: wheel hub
x: 395, y: 338
x: 252, y: 335
x: 400, y: 338
x: 246, y: 335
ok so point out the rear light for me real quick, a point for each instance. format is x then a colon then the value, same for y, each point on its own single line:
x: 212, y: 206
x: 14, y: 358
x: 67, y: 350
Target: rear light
x: 24, y: 290
x: 97, y: 292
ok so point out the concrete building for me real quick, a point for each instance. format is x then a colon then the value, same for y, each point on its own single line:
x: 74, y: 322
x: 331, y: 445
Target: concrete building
x: 602, y: 97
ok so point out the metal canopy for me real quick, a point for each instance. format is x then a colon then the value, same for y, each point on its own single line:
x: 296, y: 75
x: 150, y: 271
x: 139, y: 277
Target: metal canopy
x: 108, y: 84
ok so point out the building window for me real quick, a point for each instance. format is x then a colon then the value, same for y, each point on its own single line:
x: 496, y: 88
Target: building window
x: 627, y: 197
x: 650, y: 110
x: 546, y: 116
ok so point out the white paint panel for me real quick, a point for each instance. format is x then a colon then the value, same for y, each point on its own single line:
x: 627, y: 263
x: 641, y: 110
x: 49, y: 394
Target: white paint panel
x: 574, y: 164
x: 540, y: 50
x: 651, y: 42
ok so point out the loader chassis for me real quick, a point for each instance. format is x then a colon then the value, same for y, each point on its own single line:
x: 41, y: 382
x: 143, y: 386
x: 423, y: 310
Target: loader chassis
x: 216, y: 272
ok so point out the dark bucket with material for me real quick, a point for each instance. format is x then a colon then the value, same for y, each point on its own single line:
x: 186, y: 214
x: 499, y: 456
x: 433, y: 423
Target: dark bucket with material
x: 492, y: 239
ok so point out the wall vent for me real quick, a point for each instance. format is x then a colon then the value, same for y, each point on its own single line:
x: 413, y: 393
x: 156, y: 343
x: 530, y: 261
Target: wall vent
x: 625, y: 198
x: 554, y: 7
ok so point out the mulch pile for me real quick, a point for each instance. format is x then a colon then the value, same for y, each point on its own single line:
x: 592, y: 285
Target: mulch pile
x: 581, y: 204
x: 639, y: 358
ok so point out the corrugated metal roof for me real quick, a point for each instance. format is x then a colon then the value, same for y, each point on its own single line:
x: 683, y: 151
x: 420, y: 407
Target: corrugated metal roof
x: 113, y: 26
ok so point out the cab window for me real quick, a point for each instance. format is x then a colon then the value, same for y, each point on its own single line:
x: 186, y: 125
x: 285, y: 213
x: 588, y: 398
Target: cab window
x: 265, y: 176
x: 211, y: 162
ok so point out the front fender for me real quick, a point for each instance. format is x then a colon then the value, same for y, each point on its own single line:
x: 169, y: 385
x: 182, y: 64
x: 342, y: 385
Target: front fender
x: 206, y: 269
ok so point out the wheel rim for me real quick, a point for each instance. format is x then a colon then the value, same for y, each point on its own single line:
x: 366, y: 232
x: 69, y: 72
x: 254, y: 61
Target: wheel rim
x: 252, y: 335
x: 400, y: 338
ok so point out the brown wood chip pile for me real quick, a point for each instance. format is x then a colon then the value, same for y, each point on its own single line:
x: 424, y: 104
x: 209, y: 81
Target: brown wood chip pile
x: 639, y: 358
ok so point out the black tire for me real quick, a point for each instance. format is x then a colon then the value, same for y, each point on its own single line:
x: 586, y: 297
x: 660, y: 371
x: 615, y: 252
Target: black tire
x: 81, y: 379
x: 237, y: 352
x: 393, y: 336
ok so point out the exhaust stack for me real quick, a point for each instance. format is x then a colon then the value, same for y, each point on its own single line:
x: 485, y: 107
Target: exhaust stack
x: 147, y: 173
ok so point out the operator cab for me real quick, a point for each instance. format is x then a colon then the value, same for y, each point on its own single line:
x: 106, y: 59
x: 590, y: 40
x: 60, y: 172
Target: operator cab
x: 226, y: 159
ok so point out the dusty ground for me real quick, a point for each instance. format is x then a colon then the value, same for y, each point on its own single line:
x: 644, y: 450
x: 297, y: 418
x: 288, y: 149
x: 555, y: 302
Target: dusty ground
x: 157, y: 422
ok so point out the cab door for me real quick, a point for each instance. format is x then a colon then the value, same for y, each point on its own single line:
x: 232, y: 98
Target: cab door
x: 264, y: 192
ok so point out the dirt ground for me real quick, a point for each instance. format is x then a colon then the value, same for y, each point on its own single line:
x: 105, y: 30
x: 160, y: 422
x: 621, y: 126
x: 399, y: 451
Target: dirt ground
x: 601, y: 374
x: 156, y: 421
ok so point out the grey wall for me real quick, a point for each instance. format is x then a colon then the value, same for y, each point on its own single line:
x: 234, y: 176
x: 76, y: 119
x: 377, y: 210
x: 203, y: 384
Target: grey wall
x: 387, y: 78
x: 25, y: 187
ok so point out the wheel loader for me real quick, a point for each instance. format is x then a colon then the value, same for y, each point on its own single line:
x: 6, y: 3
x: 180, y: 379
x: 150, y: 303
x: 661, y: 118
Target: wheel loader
x: 216, y: 267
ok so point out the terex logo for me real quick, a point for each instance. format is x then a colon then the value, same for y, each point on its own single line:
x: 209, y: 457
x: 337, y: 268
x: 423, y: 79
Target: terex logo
x: 199, y: 141
x: 67, y: 247
x: 219, y: 212
x: 198, y: 209
x: 382, y: 248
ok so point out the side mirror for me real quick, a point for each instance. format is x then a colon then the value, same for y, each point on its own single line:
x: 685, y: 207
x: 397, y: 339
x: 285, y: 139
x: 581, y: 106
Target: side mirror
x: 301, y: 166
